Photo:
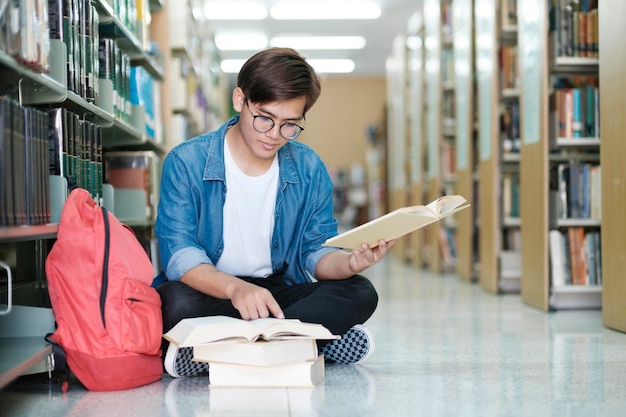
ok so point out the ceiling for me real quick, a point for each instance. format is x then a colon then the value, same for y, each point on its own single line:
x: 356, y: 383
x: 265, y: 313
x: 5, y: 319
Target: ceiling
x: 369, y: 61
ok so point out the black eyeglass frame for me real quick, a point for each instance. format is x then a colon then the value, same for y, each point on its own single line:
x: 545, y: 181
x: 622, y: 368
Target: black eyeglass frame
x: 280, y: 129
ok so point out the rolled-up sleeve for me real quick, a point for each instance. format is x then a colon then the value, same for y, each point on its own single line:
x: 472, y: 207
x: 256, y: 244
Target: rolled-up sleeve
x: 176, y: 226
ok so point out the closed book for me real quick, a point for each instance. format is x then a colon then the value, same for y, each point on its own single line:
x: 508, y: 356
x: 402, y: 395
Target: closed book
x: 557, y: 258
x: 296, y: 375
x: 199, y: 330
x: 259, y: 353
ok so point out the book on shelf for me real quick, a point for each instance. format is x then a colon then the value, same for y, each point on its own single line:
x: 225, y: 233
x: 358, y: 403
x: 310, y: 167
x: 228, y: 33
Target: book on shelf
x: 135, y: 170
x: 258, y: 353
x: 199, y: 330
x: 398, y: 223
x: 305, y: 374
x: 575, y: 257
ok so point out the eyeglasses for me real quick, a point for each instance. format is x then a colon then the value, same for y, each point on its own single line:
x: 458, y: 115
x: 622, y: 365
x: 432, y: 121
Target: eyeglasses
x: 263, y: 124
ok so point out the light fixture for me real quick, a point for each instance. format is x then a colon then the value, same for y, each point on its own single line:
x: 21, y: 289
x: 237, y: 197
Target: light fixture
x: 231, y: 10
x: 336, y: 66
x: 319, y: 42
x: 240, y: 41
x: 232, y: 66
x: 325, y: 66
x: 325, y: 9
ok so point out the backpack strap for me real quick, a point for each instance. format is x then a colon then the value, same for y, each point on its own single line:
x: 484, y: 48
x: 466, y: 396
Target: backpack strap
x: 105, y: 264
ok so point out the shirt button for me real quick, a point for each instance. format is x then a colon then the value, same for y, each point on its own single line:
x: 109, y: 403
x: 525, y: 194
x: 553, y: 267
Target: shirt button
x: 276, y: 245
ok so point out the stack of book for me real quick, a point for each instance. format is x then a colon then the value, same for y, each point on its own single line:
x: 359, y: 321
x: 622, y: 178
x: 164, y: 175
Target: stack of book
x: 265, y: 352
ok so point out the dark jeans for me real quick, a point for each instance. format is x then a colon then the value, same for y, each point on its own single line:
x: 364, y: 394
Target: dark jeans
x: 338, y: 305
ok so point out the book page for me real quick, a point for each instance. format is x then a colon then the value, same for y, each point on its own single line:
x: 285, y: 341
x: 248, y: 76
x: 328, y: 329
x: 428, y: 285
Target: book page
x: 198, y: 330
x: 397, y: 223
x: 272, y: 329
x: 446, y: 203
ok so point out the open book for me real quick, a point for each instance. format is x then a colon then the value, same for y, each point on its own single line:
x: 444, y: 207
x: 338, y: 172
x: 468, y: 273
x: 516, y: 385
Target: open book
x: 398, y: 223
x: 199, y: 330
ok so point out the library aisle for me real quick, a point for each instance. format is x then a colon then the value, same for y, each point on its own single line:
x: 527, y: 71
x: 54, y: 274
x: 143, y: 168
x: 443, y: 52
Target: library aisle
x: 444, y: 347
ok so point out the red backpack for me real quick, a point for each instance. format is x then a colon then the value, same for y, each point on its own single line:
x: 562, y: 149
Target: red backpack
x: 108, y: 316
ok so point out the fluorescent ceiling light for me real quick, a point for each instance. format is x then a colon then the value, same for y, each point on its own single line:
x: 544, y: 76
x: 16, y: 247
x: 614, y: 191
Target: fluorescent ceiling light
x: 240, y: 41
x: 325, y: 9
x: 327, y: 66
x: 414, y: 42
x: 234, y: 10
x: 232, y: 66
x: 319, y: 42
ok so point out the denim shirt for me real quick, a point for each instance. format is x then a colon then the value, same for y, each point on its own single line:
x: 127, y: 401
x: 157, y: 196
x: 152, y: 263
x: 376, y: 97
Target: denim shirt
x: 193, y: 190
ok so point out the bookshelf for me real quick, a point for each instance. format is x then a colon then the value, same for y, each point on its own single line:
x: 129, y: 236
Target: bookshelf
x: 612, y: 90
x: 416, y: 116
x: 47, y: 72
x: 196, y: 87
x: 498, y: 88
x: 397, y: 134
x: 463, y: 24
x: 440, y: 134
x: 551, y: 198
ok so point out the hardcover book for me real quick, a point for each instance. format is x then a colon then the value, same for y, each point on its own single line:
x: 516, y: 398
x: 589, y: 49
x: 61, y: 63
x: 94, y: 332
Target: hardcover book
x: 259, y: 353
x: 296, y: 375
x: 398, y: 223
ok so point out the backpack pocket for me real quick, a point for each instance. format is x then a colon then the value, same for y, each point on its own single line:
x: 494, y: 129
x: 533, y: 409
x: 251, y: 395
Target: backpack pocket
x: 141, y: 323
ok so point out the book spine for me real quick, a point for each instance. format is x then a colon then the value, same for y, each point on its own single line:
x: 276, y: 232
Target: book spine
x: 576, y: 113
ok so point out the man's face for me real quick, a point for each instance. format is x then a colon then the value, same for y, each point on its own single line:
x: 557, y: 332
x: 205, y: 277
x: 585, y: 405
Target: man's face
x: 285, y: 116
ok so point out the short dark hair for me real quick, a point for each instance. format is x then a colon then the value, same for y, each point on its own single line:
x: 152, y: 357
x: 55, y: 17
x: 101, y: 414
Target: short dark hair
x: 279, y: 74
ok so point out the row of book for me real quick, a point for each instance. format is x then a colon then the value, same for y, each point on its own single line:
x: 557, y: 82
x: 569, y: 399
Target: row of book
x: 510, y: 126
x: 37, y: 143
x: 24, y: 183
x: 115, y: 65
x: 76, y: 23
x: 575, y: 189
x: 577, y: 108
x: 575, y: 257
x: 24, y: 32
x: 28, y: 26
x: 575, y: 24
x: 509, y: 67
x: 75, y: 150
x: 265, y: 352
x: 509, y: 13
x: 510, y: 194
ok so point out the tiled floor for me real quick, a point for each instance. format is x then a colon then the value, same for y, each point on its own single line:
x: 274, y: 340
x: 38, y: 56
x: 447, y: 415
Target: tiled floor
x: 444, y: 347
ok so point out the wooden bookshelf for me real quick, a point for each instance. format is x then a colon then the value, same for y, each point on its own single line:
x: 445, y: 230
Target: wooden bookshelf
x: 613, y: 92
x: 415, y: 107
x: 397, y: 182
x: 463, y: 24
x: 498, y: 159
x: 26, y: 314
x: 440, y: 130
x: 544, y: 70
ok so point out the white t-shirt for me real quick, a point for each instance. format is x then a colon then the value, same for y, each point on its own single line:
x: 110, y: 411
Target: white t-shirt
x: 248, y: 220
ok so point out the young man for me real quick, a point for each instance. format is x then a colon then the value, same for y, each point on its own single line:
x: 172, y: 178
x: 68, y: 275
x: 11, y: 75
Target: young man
x: 243, y: 213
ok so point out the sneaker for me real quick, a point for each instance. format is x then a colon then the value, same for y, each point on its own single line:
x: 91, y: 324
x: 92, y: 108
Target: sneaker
x: 179, y: 362
x: 356, y: 345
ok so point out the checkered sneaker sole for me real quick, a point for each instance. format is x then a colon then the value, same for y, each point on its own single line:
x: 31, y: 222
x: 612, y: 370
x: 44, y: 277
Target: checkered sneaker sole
x: 179, y: 362
x: 353, y: 347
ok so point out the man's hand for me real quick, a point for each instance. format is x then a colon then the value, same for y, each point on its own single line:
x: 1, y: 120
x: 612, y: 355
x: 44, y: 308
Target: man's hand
x: 250, y: 300
x: 366, y: 256
x: 341, y: 264
x: 253, y: 302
